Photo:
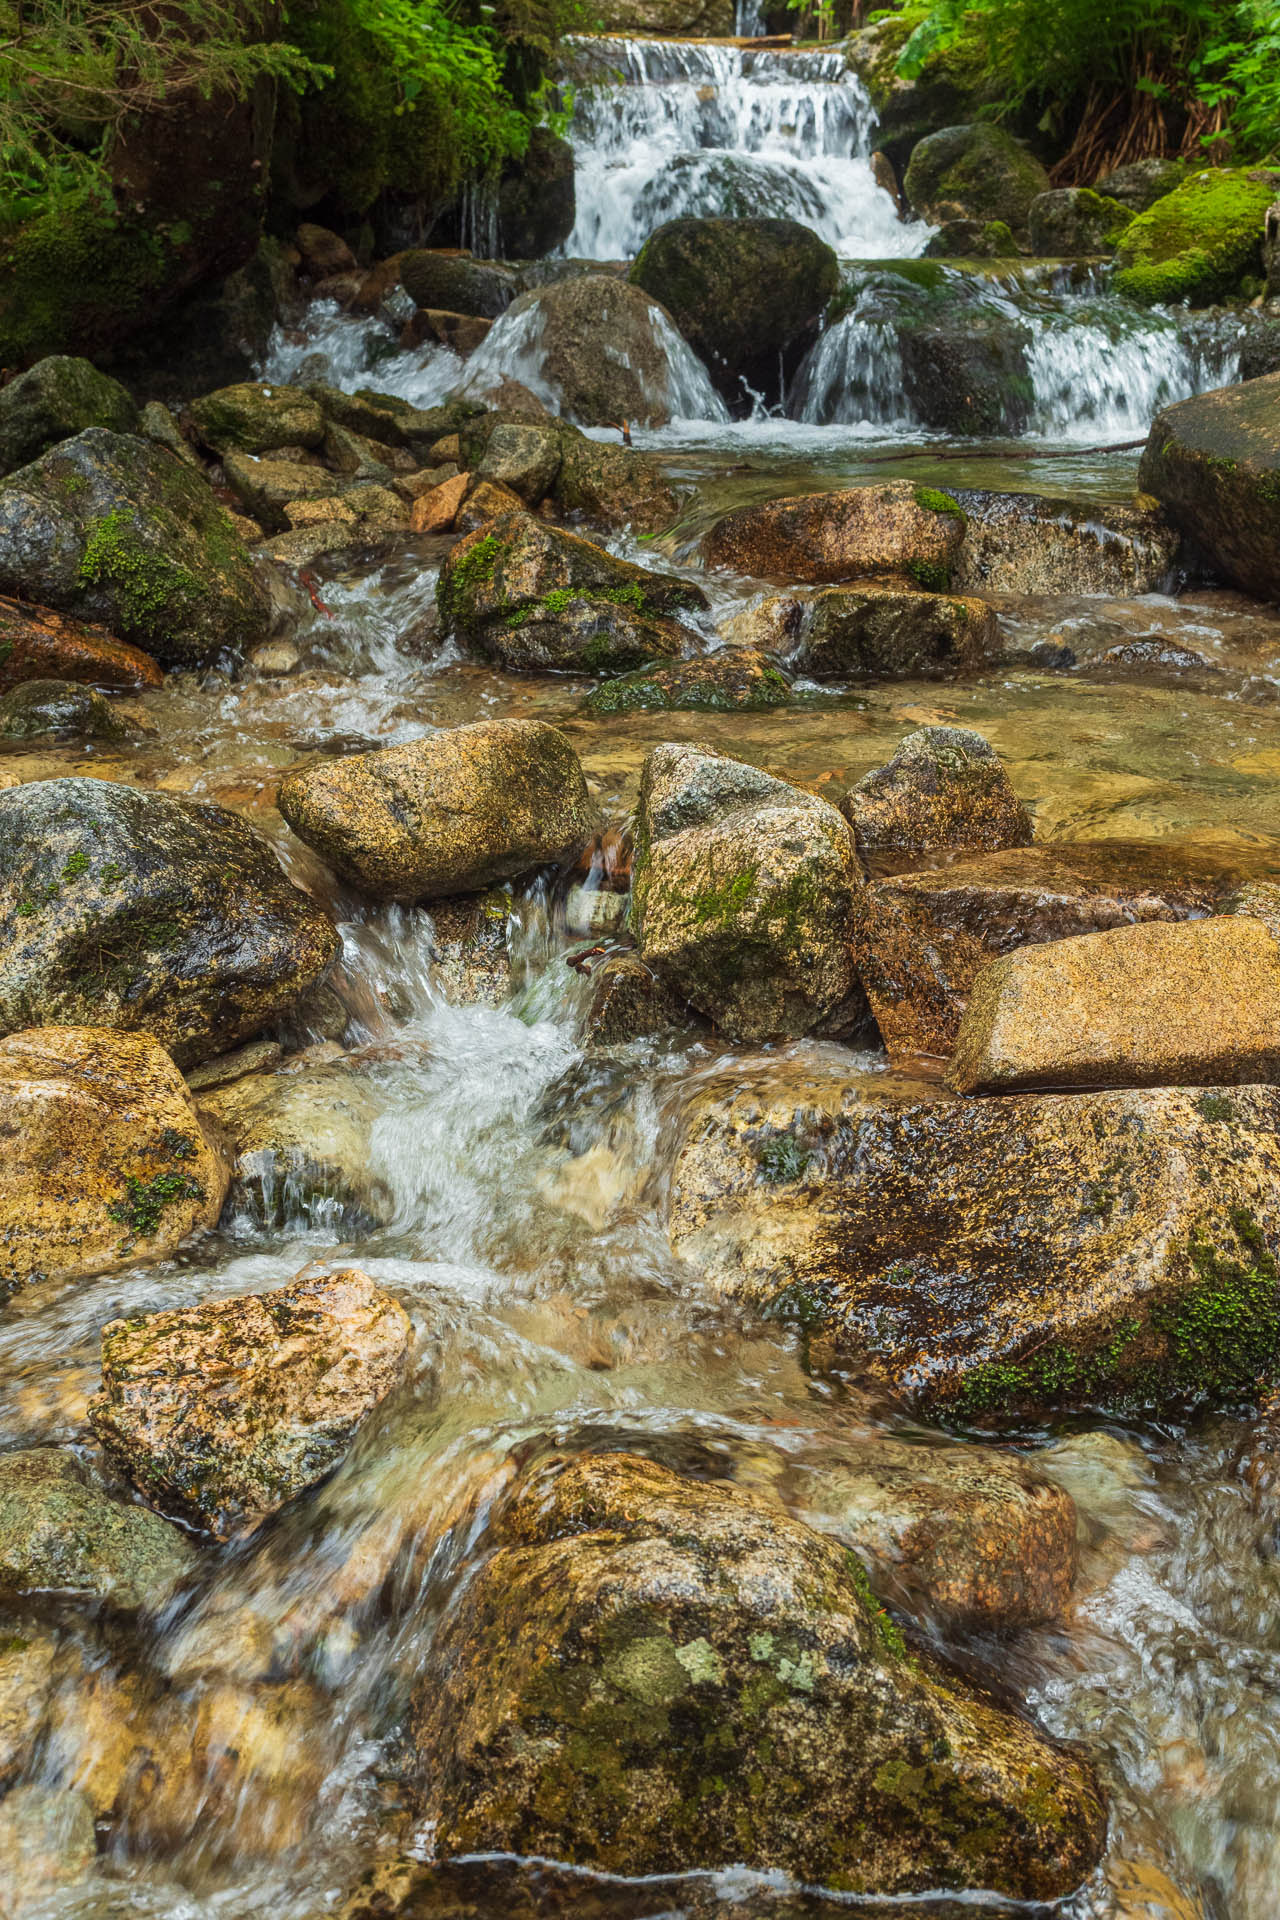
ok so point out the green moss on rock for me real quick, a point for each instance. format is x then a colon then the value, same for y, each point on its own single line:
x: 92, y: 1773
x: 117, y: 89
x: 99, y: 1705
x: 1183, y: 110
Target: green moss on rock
x: 1200, y: 243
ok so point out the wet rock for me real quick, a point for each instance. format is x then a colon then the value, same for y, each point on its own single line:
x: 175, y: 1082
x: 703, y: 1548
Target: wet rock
x: 323, y: 251
x: 105, y: 1164
x: 1200, y: 243
x: 60, y: 1534
x: 300, y: 1138
x: 872, y: 632
x: 482, y: 288
x: 460, y: 331
x: 896, y: 528
x: 528, y: 595
x: 734, y: 680
x: 223, y: 1412
x: 1008, y: 1257
x: 277, y: 659
x: 1213, y: 463
x: 436, y: 511
x: 447, y: 814
x: 388, y: 419
x: 27, y: 1658
x: 1025, y: 543
x: 38, y: 644
x: 54, y: 400
x: 47, y: 1842
x: 629, y: 1001
x: 975, y: 172
x: 1140, y: 183
x: 1159, y: 1005
x: 471, y: 948
x: 255, y: 417
x: 968, y: 373
x: 156, y: 423
x: 1070, y: 221
x: 945, y: 790
x: 524, y: 458
x: 748, y: 295
x: 120, y: 530
x: 120, y: 908
x: 652, y: 1674
x: 570, y: 322
x: 613, y: 486
x: 972, y: 240
x: 60, y: 707
x: 486, y: 501
x: 267, y: 487
x: 257, y: 1057
x: 537, y: 204
x: 744, y: 895
x: 922, y: 938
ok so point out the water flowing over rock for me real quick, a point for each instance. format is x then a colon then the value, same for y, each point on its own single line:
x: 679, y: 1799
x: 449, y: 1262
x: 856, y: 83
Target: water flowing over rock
x: 1025, y: 543
x: 447, y: 814
x: 652, y: 1673
x: 223, y: 1412
x: 120, y: 530
x: 60, y: 708
x: 1213, y: 463
x: 133, y: 910
x: 105, y: 1161
x: 744, y: 896
x: 872, y: 632
x: 945, y: 790
x: 1009, y: 1256
x: 895, y: 528
x: 59, y: 1533
x: 54, y: 400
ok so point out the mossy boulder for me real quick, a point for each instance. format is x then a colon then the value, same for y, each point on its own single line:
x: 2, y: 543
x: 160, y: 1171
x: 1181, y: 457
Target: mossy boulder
x: 748, y: 296
x: 967, y: 373
x: 61, y: 708
x: 255, y: 417
x: 972, y: 240
x: 448, y: 814
x: 1069, y: 221
x: 36, y: 643
x: 944, y: 791
x: 61, y: 1534
x: 105, y: 1162
x: 1213, y: 462
x: 894, y: 528
x: 872, y: 632
x: 527, y: 595
x: 54, y: 400
x: 1112, y: 1250
x: 976, y: 172
x: 1200, y: 243
x: 120, y: 530
x: 137, y: 911
x: 734, y: 680
x: 651, y: 1674
x: 223, y: 1412
x: 954, y: 83
x: 744, y: 895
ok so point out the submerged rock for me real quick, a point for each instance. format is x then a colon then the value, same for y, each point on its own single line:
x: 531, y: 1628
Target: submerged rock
x: 896, y: 528
x: 54, y: 400
x: 734, y: 680
x: 223, y: 1412
x: 59, y: 1534
x: 255, y: 417
x: 944, y: 791
x: 1158, y: 1005
x: 121, y: 530
x: 60, y: 707
x: 47, y: 1842
x: 652, y: 1674
x: 744, y: 896
x: 1111, y: 1250
x: 973, y: 172
x: 38, y: 644
x: 105, y: 1163
x: 120, y: 908
x: 528, y: 595
x: 1214, y: 464
x: 872, y: 632
x: 447, y: 814
x: 26, y: 1679
x: 922, y: 938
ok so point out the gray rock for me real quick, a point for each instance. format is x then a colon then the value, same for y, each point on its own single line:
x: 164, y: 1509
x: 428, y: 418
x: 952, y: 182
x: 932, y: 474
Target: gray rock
x: 60, y: 1534
x: 524, y: 458
x: 57, y: 398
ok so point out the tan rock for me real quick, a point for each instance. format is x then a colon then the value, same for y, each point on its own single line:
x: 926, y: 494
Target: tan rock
x: 944, y: 791
x: 840, y: 536
x: 1193, y: 1003
x: 451, y: 813
x: 323, y: 251
x: 225, y: 1411
x: 487, y: 499
x: 317, y: 513
x: 871, y: 632
x: 436, y: 511
x: 464, y: 332
x: 105, y: 1163
x: 38, y: 644
x: 27, y: 1656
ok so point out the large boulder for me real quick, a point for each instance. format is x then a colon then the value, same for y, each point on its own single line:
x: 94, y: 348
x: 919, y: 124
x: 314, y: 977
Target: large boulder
x: 1070, y: 221
x: 1214, y: 464
x: 1195, y: 1003
x: 223, y: 1412
x: 528, y: 595
x: 652, y: 1674
x: 748, y: 296
x: 134, y: 910
x: 1030, y: 543
x: 1200, y: 243
x: 895, y: 528
x: 54, y: 400
x: 121, y: 530
x: 944, y: 791
x: 447, y: 814
x: 105, y: 1163
x: 976, y: 172
x: 744, y: 895
x: 922, y: 938
x: 61, y: 1534
x: 254, y: 417
x: 1112, y: 1250
x: 871, y: 632
x: 38, y: 644
x: 613, y: 486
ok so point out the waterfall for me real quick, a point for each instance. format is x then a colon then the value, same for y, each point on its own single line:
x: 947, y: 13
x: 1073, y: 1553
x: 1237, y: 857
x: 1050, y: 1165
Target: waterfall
x: 663, y: 128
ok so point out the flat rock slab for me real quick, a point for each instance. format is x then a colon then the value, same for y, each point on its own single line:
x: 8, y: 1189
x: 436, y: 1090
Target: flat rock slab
x: 1160, y: 1005
x: 222, y: 1413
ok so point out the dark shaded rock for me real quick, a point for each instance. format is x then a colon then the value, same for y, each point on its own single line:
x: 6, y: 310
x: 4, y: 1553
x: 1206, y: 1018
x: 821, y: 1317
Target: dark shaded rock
x: 896, y: 528
x: 120, y: 530
x: 536, y: 200
x: 972, y: 240
x: 38, y: 644
x: 54, y: 400
x: 968, y: 373
x: 628, y: 1002
x: 134, y: 910
x: 1070, y: 221
x: 59, y: 1534
x: 734, y: 680
x: 944, y: 791
x: 974, y: 172
x: 255, y: 417
x: 873, y: 632
x: 1140, y: 183
x: 1213, y: 462
x: 480, y: 288
x: 60, y: 707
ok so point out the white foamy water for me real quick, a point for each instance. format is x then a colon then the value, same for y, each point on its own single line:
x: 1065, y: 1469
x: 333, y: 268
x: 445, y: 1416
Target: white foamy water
x: 705, y: 129
x: 350, y: 351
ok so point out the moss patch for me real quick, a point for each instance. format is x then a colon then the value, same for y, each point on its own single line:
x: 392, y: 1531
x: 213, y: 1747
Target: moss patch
x: 1200, y: 243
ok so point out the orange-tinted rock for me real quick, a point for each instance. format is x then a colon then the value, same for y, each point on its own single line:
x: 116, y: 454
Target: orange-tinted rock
x: 842, y: 536
x: 436, y: 511
x: 38, y: 644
